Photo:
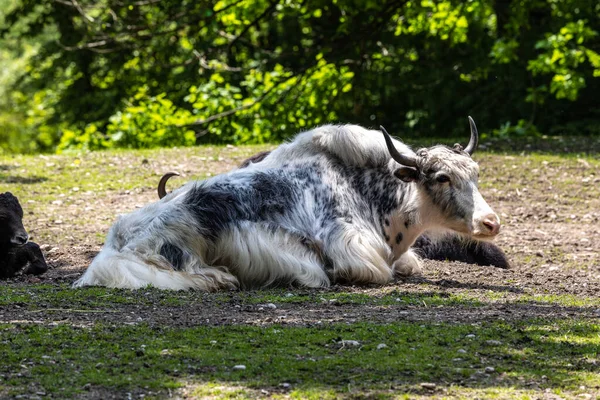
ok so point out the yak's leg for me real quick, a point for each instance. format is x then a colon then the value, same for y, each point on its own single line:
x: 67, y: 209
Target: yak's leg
x: 261, y: 255
x: 408, y: 264
x: 37, y: 263
x: 359, y: 257
x: 456, y: 248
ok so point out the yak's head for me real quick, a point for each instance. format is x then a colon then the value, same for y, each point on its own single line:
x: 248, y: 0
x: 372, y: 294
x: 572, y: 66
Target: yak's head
x: 447, y: 178
x: 12, y: 232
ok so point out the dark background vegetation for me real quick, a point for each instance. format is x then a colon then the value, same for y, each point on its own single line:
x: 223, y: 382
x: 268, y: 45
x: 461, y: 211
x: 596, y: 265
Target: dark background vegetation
x: 146, y: 73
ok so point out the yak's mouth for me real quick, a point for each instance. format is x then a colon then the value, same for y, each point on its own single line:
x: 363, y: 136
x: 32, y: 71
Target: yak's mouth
x: 484, y: 237
x: 475, y: 234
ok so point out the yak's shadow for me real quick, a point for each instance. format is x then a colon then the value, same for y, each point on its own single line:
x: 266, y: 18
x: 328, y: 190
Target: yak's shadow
x: 454, y: 284
x: 25, y: 180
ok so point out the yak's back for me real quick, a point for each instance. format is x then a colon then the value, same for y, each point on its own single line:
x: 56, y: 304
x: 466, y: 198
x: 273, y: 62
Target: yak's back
x: 351, y: 145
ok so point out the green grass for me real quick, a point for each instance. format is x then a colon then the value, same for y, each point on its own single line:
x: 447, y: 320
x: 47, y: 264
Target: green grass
x: 66, y: 359
x: 97, y: 172
x: 61, y: 360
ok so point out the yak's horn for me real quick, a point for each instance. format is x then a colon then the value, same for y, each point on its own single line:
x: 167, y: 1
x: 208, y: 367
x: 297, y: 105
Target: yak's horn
x: 405, y: 159
x: 162, y: 192
x: 474, y: 141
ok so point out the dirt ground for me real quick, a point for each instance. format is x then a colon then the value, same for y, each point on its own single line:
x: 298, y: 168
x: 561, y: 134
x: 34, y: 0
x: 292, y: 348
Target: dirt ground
x: 549, y: 206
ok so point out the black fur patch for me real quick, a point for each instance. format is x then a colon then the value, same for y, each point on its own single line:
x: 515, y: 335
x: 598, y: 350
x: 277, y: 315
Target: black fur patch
x: 13, y: 258
x: 265, y: 196
x: 173, y: 254
x: 456, y: 249
x: 399, y: 237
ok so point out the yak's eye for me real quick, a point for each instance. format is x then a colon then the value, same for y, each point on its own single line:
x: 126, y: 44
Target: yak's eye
x: 443, y: 178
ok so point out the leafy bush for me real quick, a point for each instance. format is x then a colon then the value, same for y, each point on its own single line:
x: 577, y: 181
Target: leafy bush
x: 146, y: 122
x: 269, y: 106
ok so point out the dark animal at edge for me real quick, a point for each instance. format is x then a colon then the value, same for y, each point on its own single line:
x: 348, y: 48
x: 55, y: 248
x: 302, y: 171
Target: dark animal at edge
x: 451, y: 248
x: 16, y: 252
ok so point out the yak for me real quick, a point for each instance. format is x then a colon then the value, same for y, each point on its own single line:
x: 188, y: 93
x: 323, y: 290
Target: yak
x: 16, y: 252
x: 339, y: 203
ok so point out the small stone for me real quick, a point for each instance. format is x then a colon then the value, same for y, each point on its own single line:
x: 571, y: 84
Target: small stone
x: 239, y: 367
x: 461, y: 351
x: 350, y: 343
x: 489, y: 370
x: 381, y: 346
x: 271, y: 306
x: 493, y: 342
x: 285, y: 385
x: 470, y: 336
x: 428, y: 385
x: 213, y: 342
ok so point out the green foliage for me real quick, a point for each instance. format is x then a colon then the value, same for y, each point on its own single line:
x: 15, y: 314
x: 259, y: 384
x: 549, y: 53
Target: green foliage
x: 269, y: 105
x: 521, y: 128
x: 108, y: 73
x: 562, y: 54
x: 150, y: 122
x: 146, y: 122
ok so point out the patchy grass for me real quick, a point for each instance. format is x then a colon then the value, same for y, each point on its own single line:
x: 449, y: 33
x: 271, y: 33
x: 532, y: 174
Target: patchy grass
x: 342, y: 360
x: 75, y: 188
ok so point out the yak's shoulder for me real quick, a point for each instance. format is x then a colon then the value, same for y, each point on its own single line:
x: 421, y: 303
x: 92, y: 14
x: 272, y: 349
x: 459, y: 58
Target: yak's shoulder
x: 352, y: 145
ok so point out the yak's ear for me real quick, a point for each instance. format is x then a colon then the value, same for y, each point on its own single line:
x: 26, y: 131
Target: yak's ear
x: 406, y: 174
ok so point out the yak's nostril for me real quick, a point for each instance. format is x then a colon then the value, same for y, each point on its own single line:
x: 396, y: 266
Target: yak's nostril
x: 491, y: 225
x: 19, y: 240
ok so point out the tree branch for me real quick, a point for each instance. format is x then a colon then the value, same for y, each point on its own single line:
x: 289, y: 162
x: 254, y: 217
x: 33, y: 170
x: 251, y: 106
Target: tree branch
x: 244, y: 107
x: 255, y: 22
